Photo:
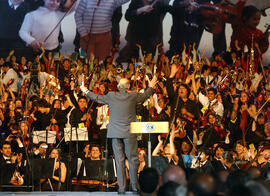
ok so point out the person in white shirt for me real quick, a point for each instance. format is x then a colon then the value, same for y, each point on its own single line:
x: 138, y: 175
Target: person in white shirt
x: 11, y: 77
x: 210, y: 102
x: 103, y: 117
x: 38, y: 25
x: 102, y: 120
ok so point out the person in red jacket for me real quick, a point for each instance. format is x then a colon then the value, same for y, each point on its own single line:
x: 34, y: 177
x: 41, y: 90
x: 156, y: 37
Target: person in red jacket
x: 244, y: 26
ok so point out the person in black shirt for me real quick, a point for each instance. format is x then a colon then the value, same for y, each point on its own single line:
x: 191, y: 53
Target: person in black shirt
x: 41, y: 117
x: 79, y: 116
x: 144, y: 28
x: 186, y: 109
x: 12, y: 13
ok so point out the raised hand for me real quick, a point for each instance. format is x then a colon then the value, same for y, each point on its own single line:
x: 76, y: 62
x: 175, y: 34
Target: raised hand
x: 174, y: 70
x: 83, y: 89
x: 153, y: 82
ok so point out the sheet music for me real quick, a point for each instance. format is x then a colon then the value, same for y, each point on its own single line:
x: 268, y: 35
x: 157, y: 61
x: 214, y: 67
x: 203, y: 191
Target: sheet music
x: 40, y: 136
x: 78, y: 134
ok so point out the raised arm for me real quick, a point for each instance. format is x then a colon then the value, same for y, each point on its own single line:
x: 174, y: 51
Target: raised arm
x: 169, y: 84
x: 102, y: 99
x: 143, y: 96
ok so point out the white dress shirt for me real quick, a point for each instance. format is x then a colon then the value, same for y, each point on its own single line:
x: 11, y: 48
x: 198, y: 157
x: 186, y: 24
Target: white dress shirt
x: 11, y: 74
x: 103, y: 110
x: 217, y: 107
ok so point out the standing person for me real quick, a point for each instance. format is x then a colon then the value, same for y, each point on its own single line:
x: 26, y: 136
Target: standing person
x: 12, y: 13
x: 188, y: 27
x: 145, y: 19
x: 94, y: 23
x: 122, y: 107
x: 37, y: 26
x: 244, y: 27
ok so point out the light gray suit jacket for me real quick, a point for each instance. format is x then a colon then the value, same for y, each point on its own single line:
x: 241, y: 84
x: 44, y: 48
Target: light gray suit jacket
x: 122, y: 109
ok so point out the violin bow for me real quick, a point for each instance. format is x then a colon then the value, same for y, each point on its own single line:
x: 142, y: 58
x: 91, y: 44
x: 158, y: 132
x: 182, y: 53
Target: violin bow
x: 66, y: 13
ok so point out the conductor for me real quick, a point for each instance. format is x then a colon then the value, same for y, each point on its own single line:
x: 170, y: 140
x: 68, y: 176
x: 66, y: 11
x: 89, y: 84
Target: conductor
x: 122, y: 105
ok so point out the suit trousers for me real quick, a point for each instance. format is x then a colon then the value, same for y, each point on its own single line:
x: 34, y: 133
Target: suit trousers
x: 122, y: 148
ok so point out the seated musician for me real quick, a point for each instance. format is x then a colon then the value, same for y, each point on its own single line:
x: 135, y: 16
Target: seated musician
x: 20, y: 136
x: 212, y: 133
x: 202, y: 162
x: 41, y: 152
x: 242, y: 154
x: 95, y: 152
x: 257, y: 133
x: 52, y: 183
x: 41, y: 117
x: 141, y: 154
x: 210, y: 103
x: 168, y: 151
x: 219, y: 162
x: 8, y: 163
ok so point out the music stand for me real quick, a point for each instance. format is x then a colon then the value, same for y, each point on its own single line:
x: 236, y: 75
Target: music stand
x: 49, y: 137
x: 43, y: 168
x: 94, y: 170
x: 76, y: 134
x: 149, y: 127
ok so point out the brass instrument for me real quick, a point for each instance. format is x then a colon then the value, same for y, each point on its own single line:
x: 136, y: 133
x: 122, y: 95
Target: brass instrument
x: 119, y: 70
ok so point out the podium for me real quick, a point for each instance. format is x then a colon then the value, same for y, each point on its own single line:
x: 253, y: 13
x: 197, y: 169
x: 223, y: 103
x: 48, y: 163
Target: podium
x: 149, y: 127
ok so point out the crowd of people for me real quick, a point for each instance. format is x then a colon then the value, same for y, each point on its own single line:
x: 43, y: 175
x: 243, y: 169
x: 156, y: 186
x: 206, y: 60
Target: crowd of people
x: 217, y: 108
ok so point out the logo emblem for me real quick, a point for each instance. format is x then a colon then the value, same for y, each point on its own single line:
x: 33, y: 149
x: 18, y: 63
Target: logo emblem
x: 149, y: 127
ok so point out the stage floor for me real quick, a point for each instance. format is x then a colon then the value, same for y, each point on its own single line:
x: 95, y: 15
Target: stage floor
x: 62, y: 193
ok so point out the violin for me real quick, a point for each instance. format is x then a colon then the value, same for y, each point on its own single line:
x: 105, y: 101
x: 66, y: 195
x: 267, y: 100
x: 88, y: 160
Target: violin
x: 216, y: 15
x: 16, y: 178
x: 180, y: 131
x: 10, y: 82
x: 54, y: 126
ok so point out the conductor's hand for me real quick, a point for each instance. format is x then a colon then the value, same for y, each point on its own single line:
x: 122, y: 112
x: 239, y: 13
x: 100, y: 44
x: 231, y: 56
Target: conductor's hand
x: 153, y: 82
x: 83, y: 89
x: 36, y: 44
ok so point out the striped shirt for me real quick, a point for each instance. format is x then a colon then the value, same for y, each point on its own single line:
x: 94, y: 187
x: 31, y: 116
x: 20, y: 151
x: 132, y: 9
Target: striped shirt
x: 101, y: 21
